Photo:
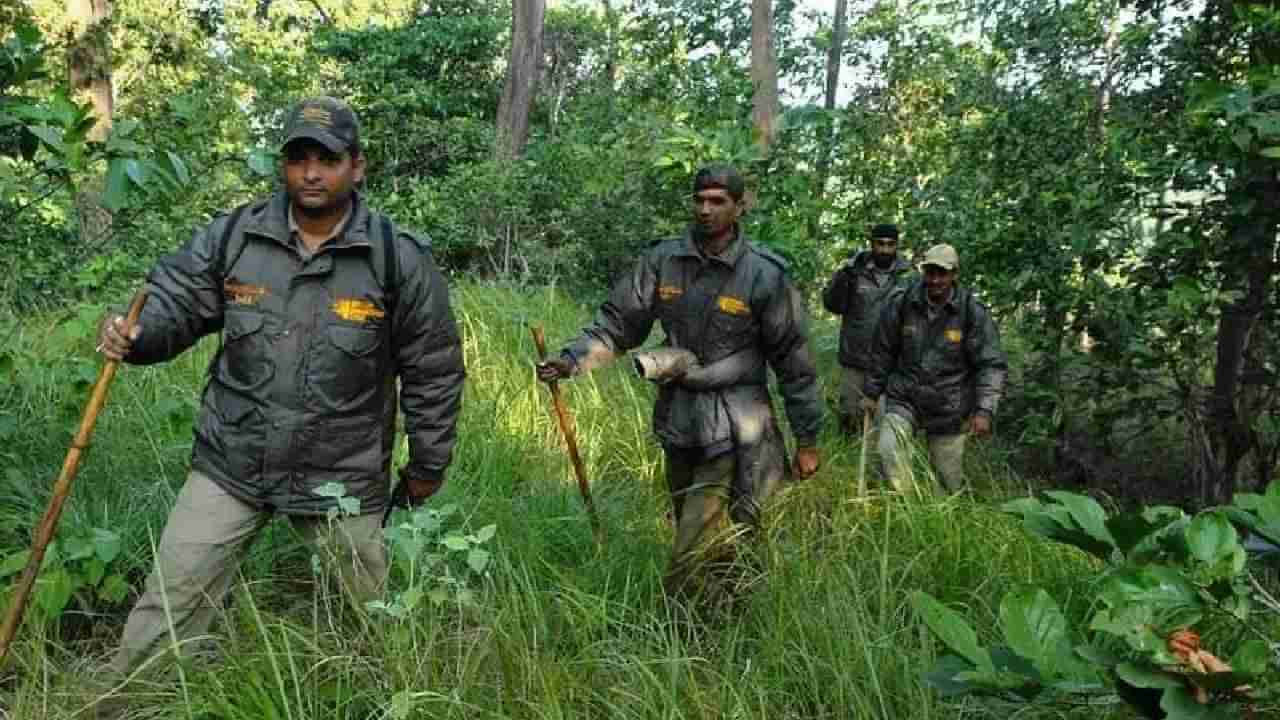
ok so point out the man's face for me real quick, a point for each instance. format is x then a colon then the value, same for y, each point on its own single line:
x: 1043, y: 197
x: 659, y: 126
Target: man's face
x: 318, y: 180
x: 938, y: 283
x: 714, y: 212
x: 884, y: 251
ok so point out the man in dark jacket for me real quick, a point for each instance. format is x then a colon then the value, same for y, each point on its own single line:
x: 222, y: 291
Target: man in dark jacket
x: 936, y: 358
x: 728, y: 306
x: 322, y: 303
x: 856, y: 293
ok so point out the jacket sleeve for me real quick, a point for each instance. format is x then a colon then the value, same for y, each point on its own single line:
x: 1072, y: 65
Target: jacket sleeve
x: 184, y: 299
x: 623, y: 321
x: 428, y: 357
x: 784, y: 334
x: 990, y: 366
x: 886, y: 344
x: 835, y: 297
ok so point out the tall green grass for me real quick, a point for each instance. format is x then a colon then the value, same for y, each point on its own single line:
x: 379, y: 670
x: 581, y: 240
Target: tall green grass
x: 561, y: 628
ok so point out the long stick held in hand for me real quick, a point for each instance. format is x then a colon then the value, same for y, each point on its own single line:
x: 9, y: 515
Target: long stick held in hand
x: 862, y: 453
x: 62, y: 487
x: 570, y: 436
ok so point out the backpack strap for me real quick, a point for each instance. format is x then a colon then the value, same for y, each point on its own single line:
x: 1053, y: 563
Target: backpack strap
x: 225, y: 258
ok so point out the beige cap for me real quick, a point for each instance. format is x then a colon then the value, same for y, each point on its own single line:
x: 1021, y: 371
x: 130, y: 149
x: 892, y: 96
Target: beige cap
x: 943, y: 256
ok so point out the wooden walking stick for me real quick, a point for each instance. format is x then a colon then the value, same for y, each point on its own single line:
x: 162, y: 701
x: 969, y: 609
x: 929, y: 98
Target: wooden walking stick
x: 62, y: 487
x: 570, y: 436
x: 862, y: 454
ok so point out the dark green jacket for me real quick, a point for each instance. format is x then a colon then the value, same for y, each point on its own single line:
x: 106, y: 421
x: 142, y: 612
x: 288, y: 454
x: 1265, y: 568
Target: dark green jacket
x: 940, y: 371
x: 857, y: 293
x: 739, y: 315
x: 302, y: 392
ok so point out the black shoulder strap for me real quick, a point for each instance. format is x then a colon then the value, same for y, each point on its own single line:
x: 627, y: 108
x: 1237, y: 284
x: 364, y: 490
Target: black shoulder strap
x: 391, y: 266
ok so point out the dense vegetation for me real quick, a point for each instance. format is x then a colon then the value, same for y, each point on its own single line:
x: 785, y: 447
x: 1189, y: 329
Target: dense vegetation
x: 1106, y: 168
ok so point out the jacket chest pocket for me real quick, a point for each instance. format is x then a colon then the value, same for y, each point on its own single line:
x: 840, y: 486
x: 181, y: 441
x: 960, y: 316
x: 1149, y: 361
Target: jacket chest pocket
x: 344, y: 370
x: 244, y: 363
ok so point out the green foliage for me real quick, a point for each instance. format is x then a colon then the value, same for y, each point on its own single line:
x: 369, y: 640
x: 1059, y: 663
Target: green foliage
x: 81, y: 565
x: 1165, y: 572
x: 436, y: 565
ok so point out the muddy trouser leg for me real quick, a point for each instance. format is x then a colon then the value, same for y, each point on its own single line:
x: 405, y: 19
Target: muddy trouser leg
x: 895, y: 446
x: 946, y: 453
x: 200, y: 551
x: 700, y: 493
x: 851, y: 399
x: 354, y: 544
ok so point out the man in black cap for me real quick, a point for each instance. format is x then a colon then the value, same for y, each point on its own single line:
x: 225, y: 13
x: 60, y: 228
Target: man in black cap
x: 728, y: 307
x: 323, y: 304
x: 857, y: 293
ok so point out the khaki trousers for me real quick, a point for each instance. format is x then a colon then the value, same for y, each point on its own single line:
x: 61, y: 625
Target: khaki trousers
x: 702, y: 497
x: 206, y: 538
x: 946, y: 454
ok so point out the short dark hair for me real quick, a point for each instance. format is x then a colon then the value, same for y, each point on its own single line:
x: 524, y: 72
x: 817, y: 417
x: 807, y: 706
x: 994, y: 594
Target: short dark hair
x: 723, y: 177
x: 885, y: 230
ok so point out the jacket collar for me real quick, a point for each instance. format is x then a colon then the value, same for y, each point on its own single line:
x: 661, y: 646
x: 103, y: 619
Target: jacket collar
x: 731, y: 256
x: 273, y: 222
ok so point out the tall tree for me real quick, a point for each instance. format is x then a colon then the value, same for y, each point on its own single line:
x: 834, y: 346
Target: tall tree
x: 764, y: 73
x: 89, y: 74
x: 523, y: 65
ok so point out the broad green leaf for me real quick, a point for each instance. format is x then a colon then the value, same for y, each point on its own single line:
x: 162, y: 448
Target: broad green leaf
x: 117, y: 190
x: 455, y: 542
x: 331, y: 489
x: 114, y: 589
x: 106, y: 544
x: 1180, y: 704
x: 1147, y: 677
x: 349, y: 505
x: 943, y: 677
x: 14, y: 563
x: 1272, y: 152
x: 411, y: 597
x: 478, y: 560
x: 1253, y: 656
x: 48, y: 135
x: 954, y: 631
x: 1087, y: 513
x: 53, y: 591
x: 1211, y: 538
x: 1036, y: 629
x: 486, y: 533
x: 179, y: 168
x: 137, y: 172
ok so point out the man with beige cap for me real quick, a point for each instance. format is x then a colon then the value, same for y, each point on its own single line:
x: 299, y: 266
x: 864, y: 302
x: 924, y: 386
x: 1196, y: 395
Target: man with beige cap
x: 937, y: 360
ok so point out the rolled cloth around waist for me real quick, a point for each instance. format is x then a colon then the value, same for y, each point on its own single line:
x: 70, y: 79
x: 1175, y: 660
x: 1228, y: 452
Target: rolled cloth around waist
x: 681, y: 366
x: 662, y: 365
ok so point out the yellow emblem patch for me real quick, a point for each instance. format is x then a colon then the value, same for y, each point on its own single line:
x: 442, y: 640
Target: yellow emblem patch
x: 954, y: 335
x: 732, y: 305
x: 238, y: 293
x: 669, y: 292
x: 317, y: 115
x: 357, y: 310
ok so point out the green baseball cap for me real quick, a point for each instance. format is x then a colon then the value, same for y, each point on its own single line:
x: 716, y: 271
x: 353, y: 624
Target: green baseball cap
x: 943, y: 256
x: 326, y: 120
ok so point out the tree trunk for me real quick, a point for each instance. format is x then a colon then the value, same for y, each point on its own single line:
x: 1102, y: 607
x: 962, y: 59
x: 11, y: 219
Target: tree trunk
x: 764, y: 73
x: 89, y: 74
x: 522, y: 78
x: 1108, y: 74
x: 835, y: 58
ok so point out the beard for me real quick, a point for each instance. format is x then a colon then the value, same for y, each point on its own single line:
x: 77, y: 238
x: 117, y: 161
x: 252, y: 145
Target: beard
x: 884, y: 262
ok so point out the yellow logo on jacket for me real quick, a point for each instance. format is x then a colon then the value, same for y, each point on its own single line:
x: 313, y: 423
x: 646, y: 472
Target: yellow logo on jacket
x: 357, y: 310
x: 732, y: 305
x: 669, y: 292
x: 953, y: 335
x: 238, y: 293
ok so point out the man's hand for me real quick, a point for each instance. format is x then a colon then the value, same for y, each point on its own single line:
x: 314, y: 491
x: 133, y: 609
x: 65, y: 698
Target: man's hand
x: 550, y: 371
x: 871, y: 405
x: 416, y: 485
x: 112, y: 341
x: 806, y: 463
x: 980, y: 425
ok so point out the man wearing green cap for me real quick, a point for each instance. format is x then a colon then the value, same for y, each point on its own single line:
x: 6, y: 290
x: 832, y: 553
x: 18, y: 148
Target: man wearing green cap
x: 727, y: 305
x: 936, y: 358
x: 322, y: 304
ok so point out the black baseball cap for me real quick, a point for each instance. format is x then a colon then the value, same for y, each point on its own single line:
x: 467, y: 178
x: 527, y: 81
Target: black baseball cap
x: 327, y: 120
